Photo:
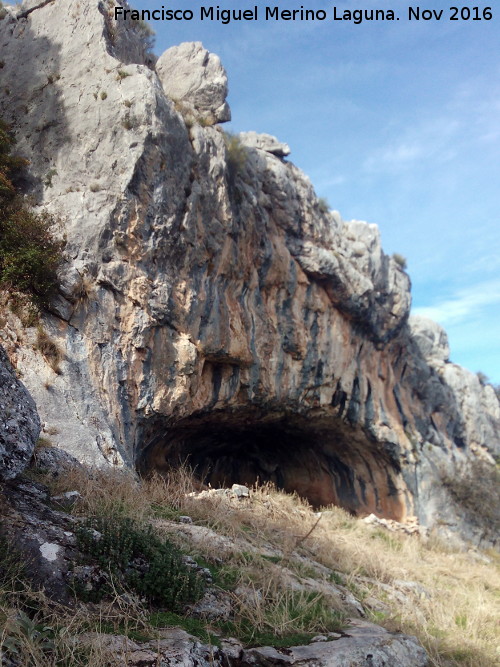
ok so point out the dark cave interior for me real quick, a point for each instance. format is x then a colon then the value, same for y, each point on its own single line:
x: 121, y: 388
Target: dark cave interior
x: 321, y: 460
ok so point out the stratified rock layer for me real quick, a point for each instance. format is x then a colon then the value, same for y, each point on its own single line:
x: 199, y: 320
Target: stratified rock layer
x: 212, y: 308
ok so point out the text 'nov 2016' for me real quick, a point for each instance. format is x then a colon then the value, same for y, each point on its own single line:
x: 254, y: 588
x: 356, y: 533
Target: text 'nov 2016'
x: 276, y: 13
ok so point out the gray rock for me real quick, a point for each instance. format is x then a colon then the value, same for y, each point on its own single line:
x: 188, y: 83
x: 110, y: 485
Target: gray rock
x: 240, y: 491
x: 362, y: 644
x: 54, y: 461
x: 431, y: 338
x: 195, y: 77
x: 264, y: 142
x: 176, y: 648
x: 19, y: 422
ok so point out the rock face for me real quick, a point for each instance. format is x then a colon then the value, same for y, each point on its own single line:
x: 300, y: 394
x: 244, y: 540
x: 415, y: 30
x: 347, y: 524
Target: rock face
x: 19, y: 422
x: 191, y: 75
x: 211, y: 308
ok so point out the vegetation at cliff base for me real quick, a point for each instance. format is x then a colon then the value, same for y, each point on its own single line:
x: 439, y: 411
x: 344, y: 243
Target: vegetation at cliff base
x: 30, y: 254
x: 138, y: 558
x: 285, y: 571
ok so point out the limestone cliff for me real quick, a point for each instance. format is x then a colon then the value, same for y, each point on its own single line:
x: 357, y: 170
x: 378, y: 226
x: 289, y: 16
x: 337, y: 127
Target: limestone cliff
x: 211, y: 308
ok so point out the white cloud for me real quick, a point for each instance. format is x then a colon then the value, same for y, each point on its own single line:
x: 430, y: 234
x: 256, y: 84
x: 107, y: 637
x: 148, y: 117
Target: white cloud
x: 431, y: 140
x: 466, y: 303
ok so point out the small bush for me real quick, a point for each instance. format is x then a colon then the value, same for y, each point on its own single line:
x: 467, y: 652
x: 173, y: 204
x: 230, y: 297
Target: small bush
x: 282, y: 613
x: 138, y: 559
x: 49, y: 177
x: 323, y: 205
x: 12, y: 565
x: 400, y: 260
x: 483, y: 378
x: 49, y: 350
x: 236, y: 156
x: 146, y: 34
x: 29, y: 253
x: 129, y: 122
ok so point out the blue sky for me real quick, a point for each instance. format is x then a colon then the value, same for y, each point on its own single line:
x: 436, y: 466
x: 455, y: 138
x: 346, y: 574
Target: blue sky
x: 396, y: 123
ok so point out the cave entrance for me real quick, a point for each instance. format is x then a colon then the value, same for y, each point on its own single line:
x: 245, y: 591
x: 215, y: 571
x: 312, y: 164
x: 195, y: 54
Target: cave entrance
x: 324, y: 462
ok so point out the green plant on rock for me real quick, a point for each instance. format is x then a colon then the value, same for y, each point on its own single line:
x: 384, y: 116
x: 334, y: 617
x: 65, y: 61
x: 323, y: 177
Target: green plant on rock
x: 323, y: 205
x: 400, y: 260
x: 236, y: 157
x: 137, y: 558
x: 122, y: 74
x: 30, y: 255
x: 23, y: 635
x: 49, y: 349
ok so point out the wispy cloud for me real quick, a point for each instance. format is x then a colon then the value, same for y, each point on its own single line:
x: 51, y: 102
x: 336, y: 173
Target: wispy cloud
x: 431, y: 140
x: 464, y: 304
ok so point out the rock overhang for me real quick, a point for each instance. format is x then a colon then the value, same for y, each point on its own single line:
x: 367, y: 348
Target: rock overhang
x: 318, y: 457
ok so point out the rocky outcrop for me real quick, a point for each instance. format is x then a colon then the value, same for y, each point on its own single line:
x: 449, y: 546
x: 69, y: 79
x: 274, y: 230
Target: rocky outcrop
x: 363, y: 644
x: 265, y: 142
x: 19, y: 422
x: 195, y: 78
x: 366, y: 644
x: 211, y: 308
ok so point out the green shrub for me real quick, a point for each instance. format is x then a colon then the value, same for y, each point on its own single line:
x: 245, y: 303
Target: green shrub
x: 323, y: 205
x: 29, y: 254
x: 138, y: 559
x: 483, y: 378
x: 236, y: 157
x: 400, y: 260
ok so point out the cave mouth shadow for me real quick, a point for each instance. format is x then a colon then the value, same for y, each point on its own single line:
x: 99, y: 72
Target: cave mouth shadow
x: 324, y: 461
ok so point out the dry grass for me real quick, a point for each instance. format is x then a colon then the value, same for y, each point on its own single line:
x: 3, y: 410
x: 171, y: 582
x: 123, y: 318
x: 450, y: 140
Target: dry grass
x: 46, y: 635
x: 454, y: 608
x: 449, y: 599
x: 49, y: 350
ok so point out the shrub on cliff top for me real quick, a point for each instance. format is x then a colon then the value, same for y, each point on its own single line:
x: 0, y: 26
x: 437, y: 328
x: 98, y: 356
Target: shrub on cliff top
x: 29, y: 253
x: 236, y: 156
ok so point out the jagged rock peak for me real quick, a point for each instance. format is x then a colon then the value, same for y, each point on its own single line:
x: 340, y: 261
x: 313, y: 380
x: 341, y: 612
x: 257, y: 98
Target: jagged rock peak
x: 192, y: 76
